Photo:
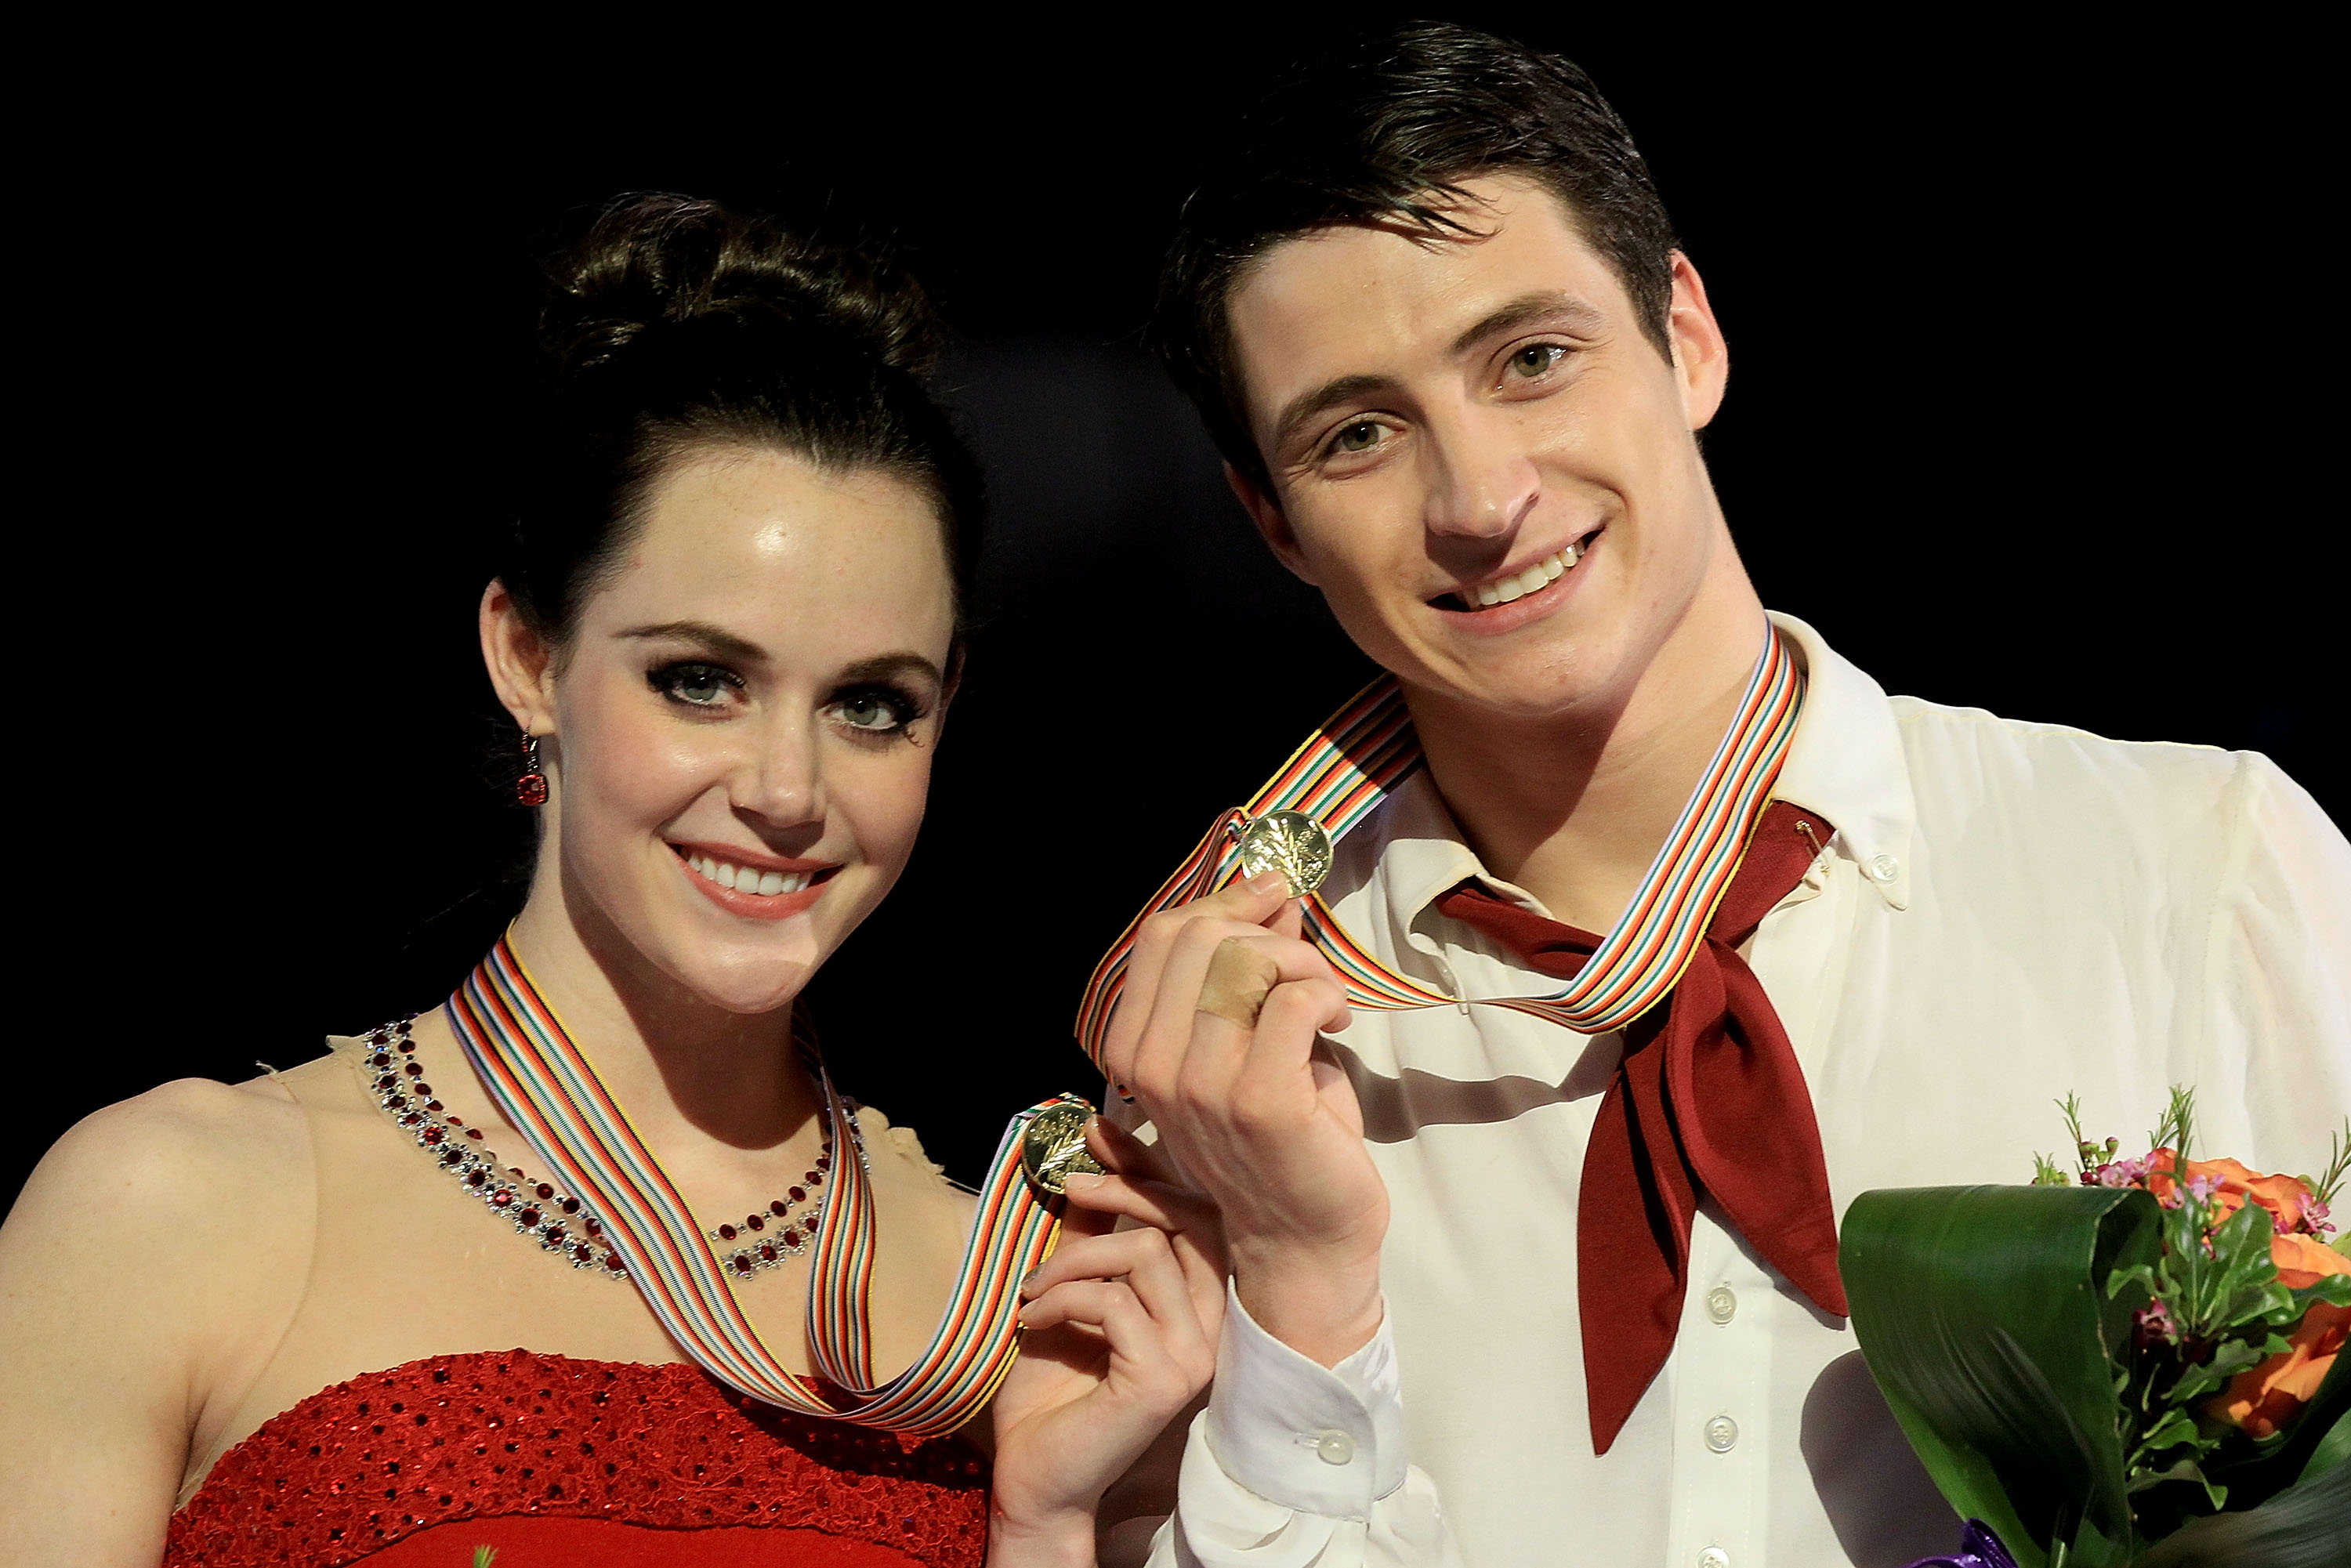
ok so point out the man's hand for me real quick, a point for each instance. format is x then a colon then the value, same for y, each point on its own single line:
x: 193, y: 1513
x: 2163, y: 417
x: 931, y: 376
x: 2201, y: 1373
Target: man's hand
x: 1215, y: 1037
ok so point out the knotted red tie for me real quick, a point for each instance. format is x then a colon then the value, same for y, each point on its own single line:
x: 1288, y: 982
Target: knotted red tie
x: 1708, y: 1100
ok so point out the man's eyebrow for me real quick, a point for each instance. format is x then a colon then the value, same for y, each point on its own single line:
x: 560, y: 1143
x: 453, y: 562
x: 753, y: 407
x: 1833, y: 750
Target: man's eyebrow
x: 1527, y: 309
x: 1306, y: 405
x: 717, y: 639
x: 886, y: 666
x: 1570, y: 312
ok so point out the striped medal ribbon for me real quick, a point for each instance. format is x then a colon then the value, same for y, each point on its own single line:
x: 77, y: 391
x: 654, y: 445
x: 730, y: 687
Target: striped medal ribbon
x: 544, y: 1084
x: 1349, y: 764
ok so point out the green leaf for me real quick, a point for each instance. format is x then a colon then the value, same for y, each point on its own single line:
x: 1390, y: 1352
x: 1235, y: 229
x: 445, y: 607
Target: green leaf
x: 2231, y: 1358
x: 1982, y: 1317
x: 2308, y: 1525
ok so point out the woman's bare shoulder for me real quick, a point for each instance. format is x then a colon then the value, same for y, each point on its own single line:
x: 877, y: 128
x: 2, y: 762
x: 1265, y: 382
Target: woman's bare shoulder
x: 900, y: 1165
x: 158, y: 1247
x: 174, y: 1151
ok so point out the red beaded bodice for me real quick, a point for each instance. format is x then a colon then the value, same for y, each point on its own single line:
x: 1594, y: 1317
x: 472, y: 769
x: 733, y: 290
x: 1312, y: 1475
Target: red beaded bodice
x: 584, y: 1460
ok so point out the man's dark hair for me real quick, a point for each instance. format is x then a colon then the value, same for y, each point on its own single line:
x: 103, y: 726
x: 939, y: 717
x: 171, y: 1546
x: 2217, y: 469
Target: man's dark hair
x: 1385, y: 132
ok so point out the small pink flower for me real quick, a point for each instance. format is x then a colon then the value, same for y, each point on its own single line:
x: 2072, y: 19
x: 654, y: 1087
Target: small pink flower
x: 2154, y: 1320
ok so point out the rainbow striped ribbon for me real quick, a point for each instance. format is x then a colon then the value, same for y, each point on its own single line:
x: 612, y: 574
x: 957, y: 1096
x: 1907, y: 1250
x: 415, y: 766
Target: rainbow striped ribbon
x: 544, y: 1085
x: 1358, y: 755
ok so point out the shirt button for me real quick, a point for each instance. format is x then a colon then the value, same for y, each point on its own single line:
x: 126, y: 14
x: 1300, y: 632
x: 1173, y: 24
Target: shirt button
x: 1721, y: 1305
x: 1714, y: 1557
x: 1722, y: 1434
x: 1884, y: 868
x: 1335, y: 1447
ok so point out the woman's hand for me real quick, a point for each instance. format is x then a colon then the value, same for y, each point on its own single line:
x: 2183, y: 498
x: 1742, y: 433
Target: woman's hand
x: 1121, y: 1334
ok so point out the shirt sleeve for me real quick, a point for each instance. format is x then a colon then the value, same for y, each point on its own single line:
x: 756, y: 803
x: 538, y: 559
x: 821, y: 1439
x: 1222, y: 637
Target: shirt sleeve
x: 1302, y: 1466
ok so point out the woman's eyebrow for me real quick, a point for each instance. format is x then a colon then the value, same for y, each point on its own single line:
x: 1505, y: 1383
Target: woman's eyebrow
x: 717, y: 639
x: 885, y: 667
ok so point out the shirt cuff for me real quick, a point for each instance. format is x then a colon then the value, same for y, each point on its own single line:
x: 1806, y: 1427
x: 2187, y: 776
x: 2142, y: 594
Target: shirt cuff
x: 1315, y: 1439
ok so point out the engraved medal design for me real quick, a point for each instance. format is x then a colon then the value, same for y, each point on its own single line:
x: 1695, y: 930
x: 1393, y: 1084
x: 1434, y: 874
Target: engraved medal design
x: 1291, y: 843
x: 1053, y: 1149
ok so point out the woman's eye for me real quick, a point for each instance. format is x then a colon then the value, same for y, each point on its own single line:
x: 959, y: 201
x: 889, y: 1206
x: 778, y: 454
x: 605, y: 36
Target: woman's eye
x: 1360, y: 436
x: 876, y: 712
x: 698, y: 685
x: 1536, y: 360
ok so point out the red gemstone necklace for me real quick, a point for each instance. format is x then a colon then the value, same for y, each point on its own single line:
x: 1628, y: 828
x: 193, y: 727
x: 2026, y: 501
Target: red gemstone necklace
x: 559, y: 1221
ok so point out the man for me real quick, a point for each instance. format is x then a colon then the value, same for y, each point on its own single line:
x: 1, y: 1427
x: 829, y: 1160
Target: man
x: 1509, y: 1292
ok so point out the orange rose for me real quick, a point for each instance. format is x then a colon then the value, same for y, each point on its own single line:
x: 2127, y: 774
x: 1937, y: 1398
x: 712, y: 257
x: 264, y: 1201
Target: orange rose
x: 2303, y: 1260
x: 2264, y: 1397
x: 2282, y: 1195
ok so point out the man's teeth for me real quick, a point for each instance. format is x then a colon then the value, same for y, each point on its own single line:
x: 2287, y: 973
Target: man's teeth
x: 1543, y: 573
x: 743, y: 879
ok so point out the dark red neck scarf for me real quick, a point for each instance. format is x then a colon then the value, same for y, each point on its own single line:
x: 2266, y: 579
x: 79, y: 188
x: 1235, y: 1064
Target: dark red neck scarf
x: 1708, y: 1100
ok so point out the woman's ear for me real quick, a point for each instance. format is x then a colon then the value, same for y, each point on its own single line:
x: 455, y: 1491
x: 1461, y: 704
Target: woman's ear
x: 521, y: 665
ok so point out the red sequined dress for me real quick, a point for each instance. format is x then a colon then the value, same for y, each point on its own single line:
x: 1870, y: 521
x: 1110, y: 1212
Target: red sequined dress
x: 552, y: 1460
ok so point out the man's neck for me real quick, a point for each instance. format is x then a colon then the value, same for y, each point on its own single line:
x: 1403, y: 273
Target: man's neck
x: 1573, y: 807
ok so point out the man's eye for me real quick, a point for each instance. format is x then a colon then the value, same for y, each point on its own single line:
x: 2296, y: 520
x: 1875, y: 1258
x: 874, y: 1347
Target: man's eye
x: 1536, y: 360
x: 698, y: 685
x: 1360, y: 436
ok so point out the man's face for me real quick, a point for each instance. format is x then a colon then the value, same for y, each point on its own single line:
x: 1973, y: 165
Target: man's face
x: 1480, y: 458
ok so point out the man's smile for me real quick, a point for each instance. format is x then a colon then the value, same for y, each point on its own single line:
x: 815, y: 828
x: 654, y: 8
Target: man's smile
x: 1519, y: 582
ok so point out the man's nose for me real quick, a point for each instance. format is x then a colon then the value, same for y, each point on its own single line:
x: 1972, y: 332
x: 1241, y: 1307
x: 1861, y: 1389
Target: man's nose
x: 1482, y: 482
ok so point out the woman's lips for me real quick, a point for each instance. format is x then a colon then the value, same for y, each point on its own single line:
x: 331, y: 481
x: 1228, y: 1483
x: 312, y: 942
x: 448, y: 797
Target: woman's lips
x: 739, y: 889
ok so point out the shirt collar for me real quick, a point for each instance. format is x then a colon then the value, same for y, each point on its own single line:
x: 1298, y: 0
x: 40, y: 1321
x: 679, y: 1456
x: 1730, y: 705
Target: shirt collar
x: 1845, y: 762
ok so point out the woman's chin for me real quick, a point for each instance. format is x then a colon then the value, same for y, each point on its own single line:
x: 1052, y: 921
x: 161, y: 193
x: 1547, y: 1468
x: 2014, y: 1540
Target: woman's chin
x: 749, y: 978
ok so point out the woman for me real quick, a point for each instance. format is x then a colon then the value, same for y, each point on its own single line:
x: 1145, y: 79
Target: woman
x: 728, y: 629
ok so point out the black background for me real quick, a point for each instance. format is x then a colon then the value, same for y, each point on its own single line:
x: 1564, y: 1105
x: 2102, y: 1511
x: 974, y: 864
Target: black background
x: 2029, y: 343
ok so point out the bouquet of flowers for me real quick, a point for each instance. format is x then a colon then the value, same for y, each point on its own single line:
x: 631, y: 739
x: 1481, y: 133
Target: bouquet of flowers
x: 2133, y: 1364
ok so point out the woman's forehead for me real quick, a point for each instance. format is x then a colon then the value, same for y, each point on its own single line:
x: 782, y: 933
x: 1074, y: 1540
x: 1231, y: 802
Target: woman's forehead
x: 766, y: 537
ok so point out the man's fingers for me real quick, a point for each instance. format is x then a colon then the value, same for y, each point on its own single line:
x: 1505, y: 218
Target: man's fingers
x: 1168, y: 1037
x: 1251, y: 902
x: 1239, y: 975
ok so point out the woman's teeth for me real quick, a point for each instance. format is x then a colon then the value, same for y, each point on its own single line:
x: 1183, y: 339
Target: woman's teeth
x: 1542, y: 574
x: 743, y: 879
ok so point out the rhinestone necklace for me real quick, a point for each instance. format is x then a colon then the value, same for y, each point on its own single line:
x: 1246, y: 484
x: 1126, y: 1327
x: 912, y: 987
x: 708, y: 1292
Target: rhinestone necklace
x: 557, y: 1220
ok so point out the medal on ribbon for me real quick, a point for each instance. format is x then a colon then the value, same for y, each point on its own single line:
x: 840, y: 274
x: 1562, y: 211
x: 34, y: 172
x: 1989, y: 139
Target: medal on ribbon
x: 1359, y: 755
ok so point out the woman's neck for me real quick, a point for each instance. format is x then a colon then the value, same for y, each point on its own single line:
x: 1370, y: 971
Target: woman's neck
x: 696, y: 1080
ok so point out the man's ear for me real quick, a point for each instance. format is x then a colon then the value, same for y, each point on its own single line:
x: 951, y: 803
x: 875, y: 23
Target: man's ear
x: 1701, y: 357
x: 1272, y: 525
x: 521, y: 665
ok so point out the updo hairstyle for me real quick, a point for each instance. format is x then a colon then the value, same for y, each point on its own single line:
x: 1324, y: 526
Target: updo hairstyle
x: 676, y: 328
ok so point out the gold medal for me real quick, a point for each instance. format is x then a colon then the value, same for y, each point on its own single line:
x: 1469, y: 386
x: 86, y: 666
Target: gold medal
x: 1053, y: 1149
x: 1291, y: 843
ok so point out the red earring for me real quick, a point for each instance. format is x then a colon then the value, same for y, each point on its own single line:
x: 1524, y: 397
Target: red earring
x: 530, y: 789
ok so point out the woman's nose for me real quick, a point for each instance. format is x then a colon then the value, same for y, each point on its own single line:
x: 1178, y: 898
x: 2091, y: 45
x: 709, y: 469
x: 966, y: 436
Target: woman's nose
x: 780, y: 778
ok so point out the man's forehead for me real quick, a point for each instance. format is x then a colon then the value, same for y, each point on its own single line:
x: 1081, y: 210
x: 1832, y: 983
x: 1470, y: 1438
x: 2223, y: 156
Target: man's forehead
x: 1357, y: 299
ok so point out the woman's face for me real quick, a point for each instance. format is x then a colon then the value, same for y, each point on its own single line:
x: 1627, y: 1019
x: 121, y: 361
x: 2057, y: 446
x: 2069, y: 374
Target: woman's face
x: 745, y: 721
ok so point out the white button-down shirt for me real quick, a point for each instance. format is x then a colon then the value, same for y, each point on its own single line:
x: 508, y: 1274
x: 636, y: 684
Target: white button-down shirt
x: 2006, y: 912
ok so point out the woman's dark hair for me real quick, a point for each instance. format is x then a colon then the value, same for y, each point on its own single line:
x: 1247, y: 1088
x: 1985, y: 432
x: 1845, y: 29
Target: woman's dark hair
x: 676, y: 327
x: 1385, y: 130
